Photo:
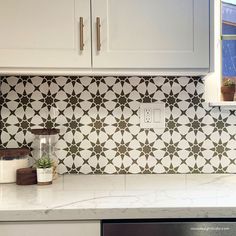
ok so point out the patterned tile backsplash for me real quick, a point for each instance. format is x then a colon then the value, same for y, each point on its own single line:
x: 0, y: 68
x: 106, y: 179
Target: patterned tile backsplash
x: 100, y: 132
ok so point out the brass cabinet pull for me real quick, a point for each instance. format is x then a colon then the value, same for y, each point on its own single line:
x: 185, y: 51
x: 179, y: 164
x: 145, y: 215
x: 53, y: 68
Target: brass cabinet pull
x: 98, y: 24
x: 81, y: 29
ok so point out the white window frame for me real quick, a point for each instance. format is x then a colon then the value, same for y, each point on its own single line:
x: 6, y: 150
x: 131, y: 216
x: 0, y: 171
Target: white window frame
x: 213, y: 80
x: 224, y: 37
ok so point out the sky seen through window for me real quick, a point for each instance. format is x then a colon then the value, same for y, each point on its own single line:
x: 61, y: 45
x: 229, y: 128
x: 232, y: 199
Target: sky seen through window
x: 230, y: 1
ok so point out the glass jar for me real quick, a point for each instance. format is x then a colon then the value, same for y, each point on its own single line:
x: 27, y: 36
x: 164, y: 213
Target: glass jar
x: 12, y: 159
x: 44, y: 146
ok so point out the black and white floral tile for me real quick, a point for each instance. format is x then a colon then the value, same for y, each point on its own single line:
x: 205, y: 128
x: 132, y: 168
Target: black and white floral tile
x: 100, y: 133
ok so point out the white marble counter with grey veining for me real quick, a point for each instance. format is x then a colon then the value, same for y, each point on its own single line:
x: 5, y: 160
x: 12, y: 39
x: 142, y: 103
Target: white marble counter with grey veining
x: 85, y: 197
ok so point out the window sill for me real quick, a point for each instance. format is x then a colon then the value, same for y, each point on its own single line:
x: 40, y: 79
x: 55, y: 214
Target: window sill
x: 224, y: 105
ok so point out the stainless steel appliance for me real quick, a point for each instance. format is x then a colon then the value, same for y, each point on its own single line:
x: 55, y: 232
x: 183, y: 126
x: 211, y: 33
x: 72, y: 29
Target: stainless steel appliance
x: 188, y: 227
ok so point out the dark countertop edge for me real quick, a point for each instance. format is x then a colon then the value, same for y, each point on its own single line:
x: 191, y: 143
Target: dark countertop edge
x: 103, y: 214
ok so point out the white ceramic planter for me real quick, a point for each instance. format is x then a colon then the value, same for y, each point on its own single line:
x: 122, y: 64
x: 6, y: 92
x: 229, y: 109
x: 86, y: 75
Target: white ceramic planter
x: 44, y: 176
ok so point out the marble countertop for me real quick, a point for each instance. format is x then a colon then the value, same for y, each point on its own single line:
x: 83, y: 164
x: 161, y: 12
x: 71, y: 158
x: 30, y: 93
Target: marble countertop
x: 90, y: 197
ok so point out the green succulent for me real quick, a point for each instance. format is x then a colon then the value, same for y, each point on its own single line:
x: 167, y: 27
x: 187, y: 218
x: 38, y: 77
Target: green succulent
x: 44, y: 162
x: 228, y: 82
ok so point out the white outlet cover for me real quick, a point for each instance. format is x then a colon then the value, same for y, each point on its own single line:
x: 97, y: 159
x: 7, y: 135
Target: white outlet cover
x: 157, y: 115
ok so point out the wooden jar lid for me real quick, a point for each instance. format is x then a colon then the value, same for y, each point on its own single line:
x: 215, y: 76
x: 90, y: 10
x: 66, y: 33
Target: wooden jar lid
x: 14, y: 152
x: 26, y: 170
x: 45, y: 131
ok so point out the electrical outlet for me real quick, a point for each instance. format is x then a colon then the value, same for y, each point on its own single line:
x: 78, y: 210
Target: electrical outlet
x: 148, y: 115
x: 152, y: 115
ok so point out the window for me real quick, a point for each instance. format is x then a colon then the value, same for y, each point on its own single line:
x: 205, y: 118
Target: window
x: 228, y: 36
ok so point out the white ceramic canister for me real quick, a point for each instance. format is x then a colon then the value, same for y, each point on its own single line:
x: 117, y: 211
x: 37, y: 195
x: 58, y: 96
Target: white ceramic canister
x: 11, y: 160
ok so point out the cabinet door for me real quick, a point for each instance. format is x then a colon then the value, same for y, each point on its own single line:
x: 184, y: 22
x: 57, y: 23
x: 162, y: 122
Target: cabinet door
x: 43, y: 33
x: 57, y: 228
x: 151, y: 33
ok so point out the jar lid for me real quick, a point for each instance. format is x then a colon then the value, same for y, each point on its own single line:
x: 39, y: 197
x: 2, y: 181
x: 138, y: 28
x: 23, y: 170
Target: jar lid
x: 45, y: 131
x: 14, y: 152
x: 28, y: 170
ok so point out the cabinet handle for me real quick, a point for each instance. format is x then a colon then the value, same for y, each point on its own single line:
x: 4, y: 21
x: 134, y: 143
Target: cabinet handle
x: 98, y: 24
x: 81, y: 37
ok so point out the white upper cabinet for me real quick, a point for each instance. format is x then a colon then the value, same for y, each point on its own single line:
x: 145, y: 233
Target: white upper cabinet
x: 100, y: 34
x: 45, y: 33
x: 151, y: 33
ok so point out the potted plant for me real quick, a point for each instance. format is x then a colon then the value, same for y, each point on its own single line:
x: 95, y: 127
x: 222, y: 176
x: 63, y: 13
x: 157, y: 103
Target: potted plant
x: 44, y: 170
x: 228, y: 90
